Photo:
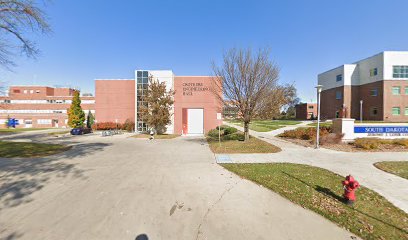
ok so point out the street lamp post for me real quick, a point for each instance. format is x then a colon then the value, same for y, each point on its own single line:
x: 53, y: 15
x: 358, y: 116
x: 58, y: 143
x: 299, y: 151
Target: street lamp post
x: 361, y: 111
x: 319, y: 90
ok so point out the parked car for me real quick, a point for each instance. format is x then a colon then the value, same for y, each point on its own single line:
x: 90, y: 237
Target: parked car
x: 80, y: 131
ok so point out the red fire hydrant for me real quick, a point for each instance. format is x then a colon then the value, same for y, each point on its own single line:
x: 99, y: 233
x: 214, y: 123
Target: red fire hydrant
x: 350, y: 185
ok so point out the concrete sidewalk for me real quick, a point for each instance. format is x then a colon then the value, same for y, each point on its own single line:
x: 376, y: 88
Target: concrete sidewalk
x: 358, y: 164
x: 120, y: 188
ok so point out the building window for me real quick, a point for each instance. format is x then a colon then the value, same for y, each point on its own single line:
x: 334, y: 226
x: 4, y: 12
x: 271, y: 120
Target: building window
x: 400, y: 72
x: 406, y: 90
x: 396, y: 90
x: 16, y: 91
x: 406, y: 111
x: 37, y: 91
x: 43, y: 121
x: 311, y: 107
x: 373, y: 72
x: 396, y: 111
x: 142, y: 83
x: 25, y: 91
x: 374, y: 111
x: 338, y: 95
x: 31, y: 91
x: 339, y: 78
x: 374, y: 92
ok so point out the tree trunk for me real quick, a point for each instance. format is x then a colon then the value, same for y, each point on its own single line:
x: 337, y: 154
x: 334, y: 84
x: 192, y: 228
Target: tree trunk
x: 246, y: 131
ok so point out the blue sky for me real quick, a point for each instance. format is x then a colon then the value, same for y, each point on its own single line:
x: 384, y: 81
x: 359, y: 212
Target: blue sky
x: 110, y: 39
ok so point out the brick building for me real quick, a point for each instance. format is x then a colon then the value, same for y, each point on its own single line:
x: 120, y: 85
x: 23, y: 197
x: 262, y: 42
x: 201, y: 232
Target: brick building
x: 40, y: 106
x: 195, y: 111
x: 380, y: 82
x: 306, y: 111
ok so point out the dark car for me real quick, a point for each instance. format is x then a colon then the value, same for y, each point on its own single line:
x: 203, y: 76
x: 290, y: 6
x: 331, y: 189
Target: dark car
x: 80, y: 131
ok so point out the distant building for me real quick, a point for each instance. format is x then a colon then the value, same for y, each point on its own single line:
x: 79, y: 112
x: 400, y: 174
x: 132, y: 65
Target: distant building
x: 380, y: 82
x: 40, y: 106
x: 306, y: 111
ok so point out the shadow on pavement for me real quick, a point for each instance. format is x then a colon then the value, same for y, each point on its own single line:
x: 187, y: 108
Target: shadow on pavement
x: 19, y: 178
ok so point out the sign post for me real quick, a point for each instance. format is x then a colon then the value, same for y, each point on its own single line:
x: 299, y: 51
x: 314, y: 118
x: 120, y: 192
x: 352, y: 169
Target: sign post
x: 219, y: 117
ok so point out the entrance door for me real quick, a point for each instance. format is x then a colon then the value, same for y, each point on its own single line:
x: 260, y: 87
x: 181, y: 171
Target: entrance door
x: 195, y: 121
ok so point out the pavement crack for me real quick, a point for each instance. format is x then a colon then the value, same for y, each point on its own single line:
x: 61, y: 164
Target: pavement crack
x: 211, y: 207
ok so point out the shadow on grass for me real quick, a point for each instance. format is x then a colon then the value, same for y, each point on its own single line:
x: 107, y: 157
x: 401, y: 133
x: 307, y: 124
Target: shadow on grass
x: 20, y: 178
x: 328, y: 192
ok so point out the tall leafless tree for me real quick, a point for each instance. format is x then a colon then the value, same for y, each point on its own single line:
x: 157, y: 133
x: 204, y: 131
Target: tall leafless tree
x: 18, y: 18
x: 247, y: 79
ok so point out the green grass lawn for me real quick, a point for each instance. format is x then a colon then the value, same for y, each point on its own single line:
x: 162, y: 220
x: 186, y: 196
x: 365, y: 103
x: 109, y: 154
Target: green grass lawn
x: 323, y: 124
x: 266, y: 125
x: 160, y: 136
x: 397, y: 168
x: 371, y: 216
x: 253, y: 145
x: 21, y: 129
x: 27, y: 149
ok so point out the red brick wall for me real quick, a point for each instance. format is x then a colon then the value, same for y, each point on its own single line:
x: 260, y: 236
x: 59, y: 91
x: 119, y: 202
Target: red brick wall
x: 185, y: 99
x: 115, y: 99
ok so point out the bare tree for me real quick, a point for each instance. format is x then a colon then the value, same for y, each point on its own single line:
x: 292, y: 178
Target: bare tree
x: 17, y: 19
x: 247, y: 79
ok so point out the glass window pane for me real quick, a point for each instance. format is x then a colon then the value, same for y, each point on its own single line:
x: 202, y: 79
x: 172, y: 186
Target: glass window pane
x: 396, y: 111
x: 406, y: 111
x: 139, y: 74
x: 145, y: 74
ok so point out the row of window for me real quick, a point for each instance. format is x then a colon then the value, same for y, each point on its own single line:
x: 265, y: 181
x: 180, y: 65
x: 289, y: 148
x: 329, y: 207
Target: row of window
x: 10, y: 111
x: 398, y: 72
x: 8, y: 101
x: 397, y: 111
x: 25, y: 91
x: 396, y: 90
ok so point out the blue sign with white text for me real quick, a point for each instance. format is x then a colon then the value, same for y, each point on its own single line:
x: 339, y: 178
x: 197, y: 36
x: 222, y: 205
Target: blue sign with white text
x: 380, y: 129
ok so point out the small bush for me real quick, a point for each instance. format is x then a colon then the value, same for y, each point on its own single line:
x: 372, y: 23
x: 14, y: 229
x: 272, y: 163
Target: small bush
x: 129, y: 125
x: 306, y: 133
x: 230, y: 130
x: 213, y: 133
x: 234, y: 136
x: 367, y: 143
x: 331, y: 138
x: 401, y: 142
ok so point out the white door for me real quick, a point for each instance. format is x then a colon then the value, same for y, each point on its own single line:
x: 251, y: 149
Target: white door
x: 28, y: 123
x: 195, y: 121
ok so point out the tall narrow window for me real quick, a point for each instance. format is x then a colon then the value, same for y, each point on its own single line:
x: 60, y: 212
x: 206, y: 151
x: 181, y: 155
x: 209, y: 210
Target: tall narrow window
x: 373, y: 72
x: 338, y: 95
x: 406, y: 111
x: 406, y: 90
x: 339, y: 78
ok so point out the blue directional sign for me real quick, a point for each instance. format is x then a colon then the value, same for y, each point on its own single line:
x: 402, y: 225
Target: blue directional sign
x: 12, y: 122
x: 381, y: 129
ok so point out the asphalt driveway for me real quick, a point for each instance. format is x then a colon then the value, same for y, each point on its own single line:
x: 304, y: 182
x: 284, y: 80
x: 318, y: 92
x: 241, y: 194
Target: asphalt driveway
x: 121, y: 188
